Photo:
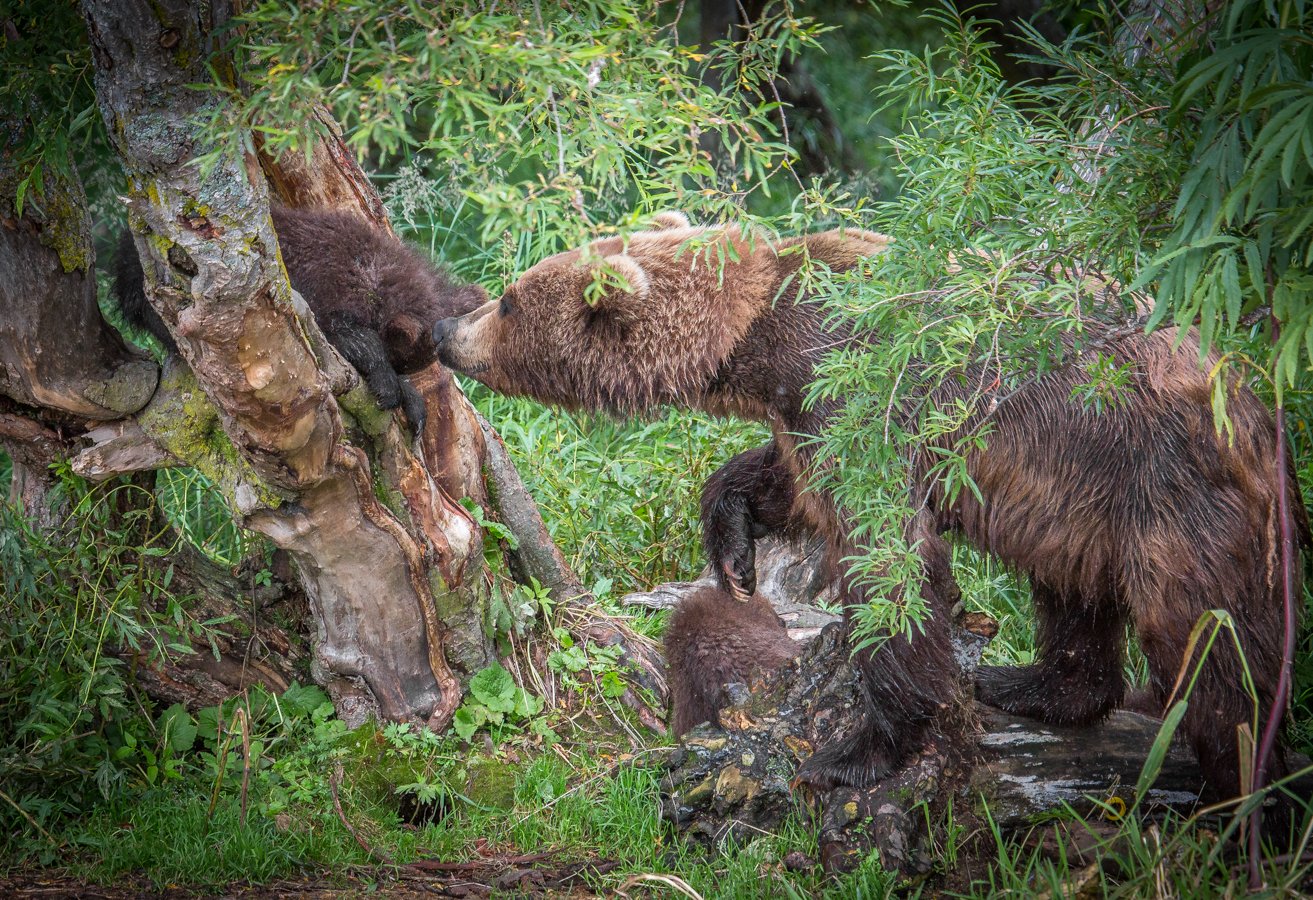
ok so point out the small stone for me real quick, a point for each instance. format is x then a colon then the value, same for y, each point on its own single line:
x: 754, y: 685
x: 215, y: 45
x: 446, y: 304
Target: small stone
x: 799, y: 747
x: 734, y: 787
x: 797, y: 861
x: 700, y: 794
x: 711, y: 744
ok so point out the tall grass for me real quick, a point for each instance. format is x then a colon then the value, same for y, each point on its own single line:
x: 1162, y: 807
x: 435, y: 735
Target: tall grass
x: 620, y: 498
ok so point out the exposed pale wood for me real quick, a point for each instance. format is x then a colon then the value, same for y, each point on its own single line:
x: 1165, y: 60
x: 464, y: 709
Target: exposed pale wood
x: 375, y: 559
x: 1029, y: 768
x: 734, y: 779
x: 118, y: 448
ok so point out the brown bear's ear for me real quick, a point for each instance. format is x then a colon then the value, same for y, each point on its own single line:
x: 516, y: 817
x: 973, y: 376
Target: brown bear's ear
x: 619, y: 284
x: 407, y: 341
x: 664, y: 221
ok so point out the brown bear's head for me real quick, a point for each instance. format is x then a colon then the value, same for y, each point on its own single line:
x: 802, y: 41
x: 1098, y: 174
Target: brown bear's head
x: 626, y: 324
x: 623, y: 324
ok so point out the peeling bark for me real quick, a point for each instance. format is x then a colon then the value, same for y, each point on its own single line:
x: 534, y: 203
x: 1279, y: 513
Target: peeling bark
x: 389, y: 561
x: 55, y: 349
x: 331, y: 177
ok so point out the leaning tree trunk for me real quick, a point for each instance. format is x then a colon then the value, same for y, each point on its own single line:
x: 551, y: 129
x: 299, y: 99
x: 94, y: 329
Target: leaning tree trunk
x: 257, y: 400
x: 377, y: 547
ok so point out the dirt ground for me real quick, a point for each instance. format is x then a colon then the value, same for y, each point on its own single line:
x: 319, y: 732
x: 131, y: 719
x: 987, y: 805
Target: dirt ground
x: 519, y: 877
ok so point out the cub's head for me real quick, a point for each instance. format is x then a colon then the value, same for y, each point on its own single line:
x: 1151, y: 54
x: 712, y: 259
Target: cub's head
x: 621, y: 325
x: 408, y: 335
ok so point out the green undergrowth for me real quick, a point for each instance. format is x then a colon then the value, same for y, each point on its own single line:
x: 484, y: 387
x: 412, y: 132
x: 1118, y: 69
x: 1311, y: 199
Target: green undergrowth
x: 620, y: 498
x: 269, y: 788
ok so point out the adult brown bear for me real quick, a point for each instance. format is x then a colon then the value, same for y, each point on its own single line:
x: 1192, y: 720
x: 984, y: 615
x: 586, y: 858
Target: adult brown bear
x: 1140, y: 514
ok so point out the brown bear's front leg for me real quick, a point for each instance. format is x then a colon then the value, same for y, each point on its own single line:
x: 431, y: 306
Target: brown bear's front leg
x: 364, y: 349
x: 1078, y: 678
x: 748, y: 498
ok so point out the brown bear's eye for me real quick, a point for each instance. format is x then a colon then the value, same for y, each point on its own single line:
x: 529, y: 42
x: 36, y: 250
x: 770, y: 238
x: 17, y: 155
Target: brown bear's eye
x: 505, y: 308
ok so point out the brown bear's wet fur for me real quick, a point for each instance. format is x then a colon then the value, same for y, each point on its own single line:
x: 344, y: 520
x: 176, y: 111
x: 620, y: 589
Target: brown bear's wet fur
x: 714, y: 640
x: 1140, y: 515
x: 375, y: 298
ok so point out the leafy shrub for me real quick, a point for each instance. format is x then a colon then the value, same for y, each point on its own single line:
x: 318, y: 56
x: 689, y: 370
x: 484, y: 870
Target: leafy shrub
x: 74, y: 604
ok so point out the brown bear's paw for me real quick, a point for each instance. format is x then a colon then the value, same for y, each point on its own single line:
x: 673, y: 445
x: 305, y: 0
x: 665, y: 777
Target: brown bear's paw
x: 854, y: 762
x: 1074, y: 697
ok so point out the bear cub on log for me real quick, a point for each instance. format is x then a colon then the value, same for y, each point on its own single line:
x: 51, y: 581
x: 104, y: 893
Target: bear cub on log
x: 714, y: 640
x: 1140, y: 515
x: 375, y: 298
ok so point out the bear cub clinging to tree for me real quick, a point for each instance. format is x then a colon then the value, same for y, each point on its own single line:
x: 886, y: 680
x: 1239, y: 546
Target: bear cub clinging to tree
x: 375, y: 299
x: 1140, y: 514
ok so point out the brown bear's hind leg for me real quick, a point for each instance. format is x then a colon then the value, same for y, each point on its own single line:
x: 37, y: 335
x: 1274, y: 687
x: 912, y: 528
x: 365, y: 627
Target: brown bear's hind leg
x: 1078, y: 678
x: 1218, y: 702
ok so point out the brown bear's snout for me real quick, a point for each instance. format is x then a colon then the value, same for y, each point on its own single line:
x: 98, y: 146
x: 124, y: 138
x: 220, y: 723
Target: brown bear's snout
x: 443, y: 329
x: 452, y: 338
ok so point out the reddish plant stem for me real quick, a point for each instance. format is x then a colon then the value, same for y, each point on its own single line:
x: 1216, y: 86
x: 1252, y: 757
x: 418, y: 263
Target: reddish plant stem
x: 1279, y: 701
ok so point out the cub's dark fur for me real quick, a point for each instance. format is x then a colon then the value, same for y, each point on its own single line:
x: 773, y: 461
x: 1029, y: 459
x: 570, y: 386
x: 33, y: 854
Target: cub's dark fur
x: 714, y: 640
x: 375, y: 298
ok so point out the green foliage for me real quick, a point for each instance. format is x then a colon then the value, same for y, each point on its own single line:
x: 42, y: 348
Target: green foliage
x: 75, y: 604
x: 982, y: 287
x: 548, y: 118
x: 196, y: 509
x: 46, y: 95
x: 1023, y: 211
x: 1241, y: 227
x: 619, y: 499
x: 494, y: 700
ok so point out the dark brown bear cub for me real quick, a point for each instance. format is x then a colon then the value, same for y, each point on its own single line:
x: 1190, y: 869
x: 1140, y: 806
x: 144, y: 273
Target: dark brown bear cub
x: 375, y: 299
x: 1140, y: 515
x: 712, y: 641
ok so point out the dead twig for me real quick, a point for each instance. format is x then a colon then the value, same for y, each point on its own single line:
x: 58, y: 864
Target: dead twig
x: 333, y: 780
